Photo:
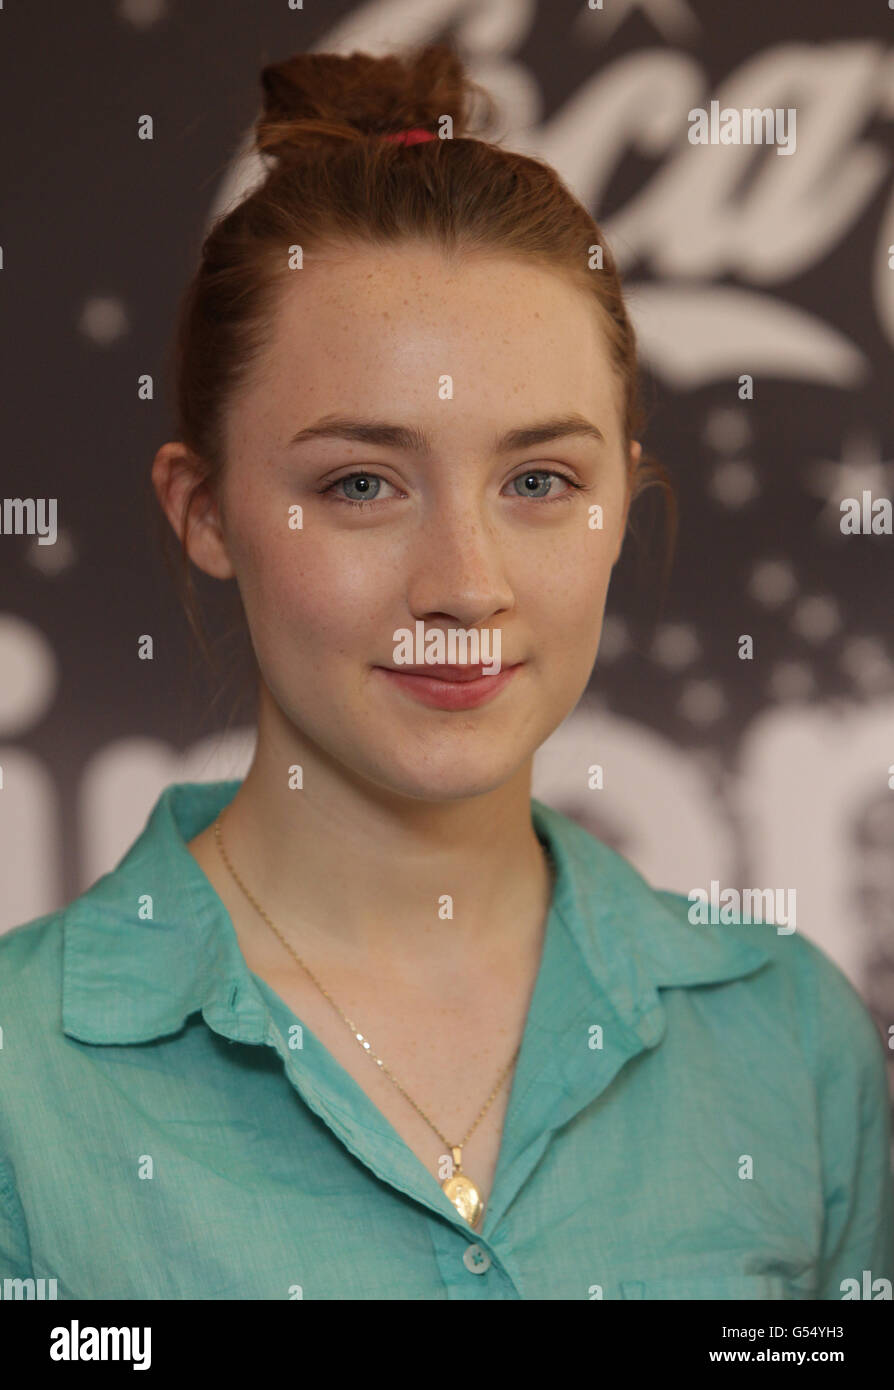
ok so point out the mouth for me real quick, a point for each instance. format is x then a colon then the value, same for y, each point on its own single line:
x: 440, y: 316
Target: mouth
x: 443, y: 673
x: 449, y: 687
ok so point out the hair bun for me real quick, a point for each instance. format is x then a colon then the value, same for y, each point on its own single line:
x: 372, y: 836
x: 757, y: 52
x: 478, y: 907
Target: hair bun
x: 317, y: 95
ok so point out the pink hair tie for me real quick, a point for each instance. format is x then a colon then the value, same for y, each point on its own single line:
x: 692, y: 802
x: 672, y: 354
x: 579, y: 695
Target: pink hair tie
x: 410, y: 137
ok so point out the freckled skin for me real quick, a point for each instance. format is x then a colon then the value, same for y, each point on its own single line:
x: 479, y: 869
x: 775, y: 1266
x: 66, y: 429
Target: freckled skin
x: 371, y: 333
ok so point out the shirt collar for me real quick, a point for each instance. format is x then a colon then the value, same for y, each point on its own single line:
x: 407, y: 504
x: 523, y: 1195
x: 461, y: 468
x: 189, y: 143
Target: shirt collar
x: 150, y: 943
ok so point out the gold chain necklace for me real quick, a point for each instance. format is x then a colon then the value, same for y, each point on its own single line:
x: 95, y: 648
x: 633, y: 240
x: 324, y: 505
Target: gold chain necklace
x: 460, y: 1188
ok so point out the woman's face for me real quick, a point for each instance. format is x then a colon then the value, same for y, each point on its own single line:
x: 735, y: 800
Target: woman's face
x: 446, y: 535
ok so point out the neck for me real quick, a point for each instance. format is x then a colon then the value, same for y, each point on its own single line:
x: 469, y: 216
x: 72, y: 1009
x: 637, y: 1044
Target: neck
x: 346, y: 867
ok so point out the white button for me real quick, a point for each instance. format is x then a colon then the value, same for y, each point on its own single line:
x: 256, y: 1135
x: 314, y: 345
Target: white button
x: 476, y: 1260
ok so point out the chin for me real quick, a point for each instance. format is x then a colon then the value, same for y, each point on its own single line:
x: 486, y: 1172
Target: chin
x: 452, y: 782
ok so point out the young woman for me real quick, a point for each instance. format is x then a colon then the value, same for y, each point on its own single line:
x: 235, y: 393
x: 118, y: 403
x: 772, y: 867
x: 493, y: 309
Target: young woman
x: 373, y: 1023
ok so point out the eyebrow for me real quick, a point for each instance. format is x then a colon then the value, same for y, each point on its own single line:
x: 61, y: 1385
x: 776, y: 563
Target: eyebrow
x: 416, y: 440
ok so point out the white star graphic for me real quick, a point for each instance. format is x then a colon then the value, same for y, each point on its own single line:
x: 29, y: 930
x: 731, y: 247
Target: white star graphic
x: 867, y: 663
x: 702, y: 702
x: 674, y: 19
x: 860, y: 468
x: 50, y: 560
x: 772, y: 583
x: 727, y: 429
x: 103, y: 320
x: 675, y: 646
x: 816, y: 618
x: 733, y: 483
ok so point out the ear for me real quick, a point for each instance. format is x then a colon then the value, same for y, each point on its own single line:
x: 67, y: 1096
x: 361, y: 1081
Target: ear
x: 175, y: 471
x: 636, y: 450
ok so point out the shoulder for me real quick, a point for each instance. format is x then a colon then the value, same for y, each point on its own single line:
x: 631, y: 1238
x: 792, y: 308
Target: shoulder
x: 803, y: 990
x: 769, y: 986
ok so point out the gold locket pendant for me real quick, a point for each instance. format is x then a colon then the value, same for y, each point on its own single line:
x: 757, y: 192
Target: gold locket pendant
x: 463, y: 1193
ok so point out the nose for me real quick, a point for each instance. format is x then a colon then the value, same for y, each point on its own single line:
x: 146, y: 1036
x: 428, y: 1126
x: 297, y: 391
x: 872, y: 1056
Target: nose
x: 457, y: 568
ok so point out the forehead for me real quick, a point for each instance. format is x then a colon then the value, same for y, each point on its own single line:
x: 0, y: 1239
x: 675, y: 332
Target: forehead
x: 367, y: 327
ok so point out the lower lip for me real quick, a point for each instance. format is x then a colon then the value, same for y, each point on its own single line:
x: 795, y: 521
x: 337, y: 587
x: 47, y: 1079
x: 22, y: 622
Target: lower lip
x: 441, y: 694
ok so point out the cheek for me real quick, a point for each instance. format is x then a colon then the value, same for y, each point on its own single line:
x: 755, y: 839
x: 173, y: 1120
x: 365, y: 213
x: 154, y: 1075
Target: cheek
x: 319, y: 592
x: 595, y: 572
x: 566, y: 583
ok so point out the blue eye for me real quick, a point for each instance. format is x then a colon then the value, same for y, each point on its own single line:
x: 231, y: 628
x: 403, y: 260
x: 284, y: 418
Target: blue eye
x: 545, y: 476
x: 369, y: 486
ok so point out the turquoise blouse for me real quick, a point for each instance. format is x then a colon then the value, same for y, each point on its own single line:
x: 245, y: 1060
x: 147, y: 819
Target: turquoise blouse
x: 696, y: 1111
